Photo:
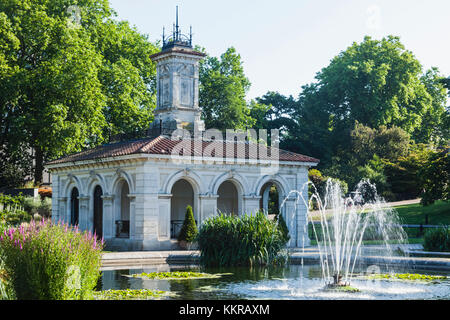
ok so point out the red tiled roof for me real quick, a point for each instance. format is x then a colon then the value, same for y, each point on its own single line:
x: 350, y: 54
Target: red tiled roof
x: 163, y: 145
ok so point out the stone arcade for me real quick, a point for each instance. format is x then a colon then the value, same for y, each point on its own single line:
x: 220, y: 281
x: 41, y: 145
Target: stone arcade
x: 134, y: 193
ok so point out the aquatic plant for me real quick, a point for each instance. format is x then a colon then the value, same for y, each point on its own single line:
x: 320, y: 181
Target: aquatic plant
x: 128, y: 294
x: 241, y: 241
x: 175, y: 275
x: 406, y: 276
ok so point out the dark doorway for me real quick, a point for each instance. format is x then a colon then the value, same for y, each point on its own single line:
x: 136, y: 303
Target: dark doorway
x: 74, y: 207
x: 98, y: 212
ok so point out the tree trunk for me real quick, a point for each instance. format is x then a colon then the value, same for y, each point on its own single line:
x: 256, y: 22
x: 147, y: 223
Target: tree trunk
x: 38, y: 166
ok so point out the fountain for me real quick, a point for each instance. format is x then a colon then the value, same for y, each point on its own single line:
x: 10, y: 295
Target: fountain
x: 340, y: 225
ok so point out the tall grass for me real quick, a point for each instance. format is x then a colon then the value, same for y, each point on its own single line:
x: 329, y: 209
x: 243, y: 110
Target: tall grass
x: 241, y: 241
x: 437, y: 239
x: 44, y: 261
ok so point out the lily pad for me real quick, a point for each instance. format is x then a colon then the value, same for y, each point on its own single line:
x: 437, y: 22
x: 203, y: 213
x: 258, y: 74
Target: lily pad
x: 177, y: 275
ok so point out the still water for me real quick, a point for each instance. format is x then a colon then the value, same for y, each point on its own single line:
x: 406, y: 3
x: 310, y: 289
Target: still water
x: 292, y: 282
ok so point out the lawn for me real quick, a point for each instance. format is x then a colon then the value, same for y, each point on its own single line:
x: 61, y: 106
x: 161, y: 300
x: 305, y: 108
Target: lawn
x: 415, y: 214
x: 438, y: 213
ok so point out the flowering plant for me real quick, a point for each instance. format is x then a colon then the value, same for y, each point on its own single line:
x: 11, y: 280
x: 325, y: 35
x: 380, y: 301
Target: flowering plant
x: 50, y: 261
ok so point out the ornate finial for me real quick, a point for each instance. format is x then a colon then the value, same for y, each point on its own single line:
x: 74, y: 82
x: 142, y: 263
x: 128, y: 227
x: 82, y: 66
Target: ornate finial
x: 177, y: 38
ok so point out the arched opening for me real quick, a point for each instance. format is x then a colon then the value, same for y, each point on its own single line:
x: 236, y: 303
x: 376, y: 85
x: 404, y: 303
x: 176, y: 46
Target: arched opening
x: 182, y: 196
x: 98, y: 211
x: 123, y: 215
x: 270, y: 199
x: 74, y: 207
x: 228, y: 200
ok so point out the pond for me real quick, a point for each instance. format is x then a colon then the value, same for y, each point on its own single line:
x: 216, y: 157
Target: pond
x: 292, y: 282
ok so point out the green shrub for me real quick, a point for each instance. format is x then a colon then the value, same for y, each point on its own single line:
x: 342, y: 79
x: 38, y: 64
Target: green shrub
x: 37, y: 206
x: 50, y: 262
x: 283, y: 227
x: 188, y: 231
x: 437, y: 240
x: 241, y: 241
x: 12, y: 211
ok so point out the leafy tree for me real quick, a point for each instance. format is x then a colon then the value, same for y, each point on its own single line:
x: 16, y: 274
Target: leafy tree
x: 376, y: 82
x: 223, y: 86
x: 374, y: 172
x: 435, y: 177
x: 403, y: 174
x: 434, y: 128
x: 279, y: 111
x: 386, y: 143
x: 68, y: 85
x: 128, y: 77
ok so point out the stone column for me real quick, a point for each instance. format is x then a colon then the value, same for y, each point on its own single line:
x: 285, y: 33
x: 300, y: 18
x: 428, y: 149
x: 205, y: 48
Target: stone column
x: 55, y: 196
x: 251, y: 204
x: 164, y: 217
x: 84, y: 213
x: 108, y: 217
x: 289, y: 214
x: 63, y: 210
x: 265, y: 198
x: 146, y: 208
x: 132, y: 216
x: 208, y: 207
x: 302, y: 210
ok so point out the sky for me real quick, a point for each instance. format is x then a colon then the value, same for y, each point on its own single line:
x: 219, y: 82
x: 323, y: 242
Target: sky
x: 284, y: 43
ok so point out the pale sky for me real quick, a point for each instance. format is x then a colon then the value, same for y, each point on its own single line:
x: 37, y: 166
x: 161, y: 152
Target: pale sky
x: 284, y: 43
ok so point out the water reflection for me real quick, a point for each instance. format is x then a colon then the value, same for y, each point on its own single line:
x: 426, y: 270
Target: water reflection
x: 275, y: 283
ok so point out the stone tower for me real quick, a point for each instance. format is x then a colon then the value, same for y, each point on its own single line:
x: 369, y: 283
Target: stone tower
x: 177, y: 85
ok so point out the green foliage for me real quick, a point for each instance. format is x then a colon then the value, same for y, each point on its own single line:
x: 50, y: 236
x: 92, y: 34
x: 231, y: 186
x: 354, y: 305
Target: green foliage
x: 41, y: 207
x: 374, y: 172
x: 373, y: 98
x: 386, y: 143
x: 437, y: 240
x: 12, y: 212
x: 223, y: 86
x: 283, y: 227
x: 175, y: 275
x: 406, y: 276
x: 189, y: 230
x: 18, y: 209
x: 241, y: 241
x: 435, y: 177
x: 67, y: 86
x: 50, y: 262
x: 129, y: 294
x: 319, y: 184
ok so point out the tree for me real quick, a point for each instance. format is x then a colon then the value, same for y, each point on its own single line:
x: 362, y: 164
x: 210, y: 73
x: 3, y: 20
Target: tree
x: 403, y: 174
x: 386, y: 143
x: 433, y: 128
x: 223, y: 86
x: 68, y: 85
x: 376, y: 82
x: 279, y: 111
x: 374, y: 172
x: 189, y: 230
x: 435, y: 177
x: 128, y: 78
